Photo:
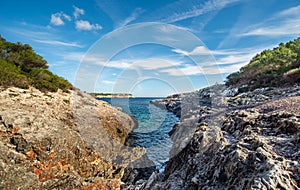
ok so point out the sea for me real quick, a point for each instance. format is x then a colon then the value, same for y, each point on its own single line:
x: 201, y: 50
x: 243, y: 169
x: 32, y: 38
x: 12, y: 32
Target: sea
x: 154, y: 124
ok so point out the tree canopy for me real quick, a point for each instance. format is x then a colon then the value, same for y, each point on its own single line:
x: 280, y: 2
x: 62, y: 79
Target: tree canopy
x: 280, y: 66
x: 20, y: 66
x: 21, y: 55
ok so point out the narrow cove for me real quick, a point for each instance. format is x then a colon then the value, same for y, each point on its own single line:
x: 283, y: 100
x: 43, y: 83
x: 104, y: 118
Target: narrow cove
x: 154, y: 124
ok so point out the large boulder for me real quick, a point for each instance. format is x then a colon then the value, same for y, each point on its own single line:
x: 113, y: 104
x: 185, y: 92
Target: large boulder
x: 62, y: 141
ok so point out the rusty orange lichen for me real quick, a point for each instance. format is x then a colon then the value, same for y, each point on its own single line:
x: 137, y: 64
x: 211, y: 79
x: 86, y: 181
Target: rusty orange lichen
x: 14, y: 130
x: 30, y: 154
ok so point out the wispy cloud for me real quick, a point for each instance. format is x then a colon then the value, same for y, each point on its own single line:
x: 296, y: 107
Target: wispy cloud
x: 96, y: 60
x: 107, y: 82
x: 202, y: 50
x: 222, y: 61
x: 57, y: 19
x: 190, y: 70
x: 197, y: 10
x: 227, y: 63
x: 242, y: 58
x: 133, y: 64
x: 59, y: 43
x: 226, y: 56
x: 77, y: 12
x: 86, y: 25
x: 155, y: 63
x: 31, y: 31
x: 73, y: 56
x: 42, y: 35
x: 286, y: 22
x: 291, y: 11
x: 131, y: 18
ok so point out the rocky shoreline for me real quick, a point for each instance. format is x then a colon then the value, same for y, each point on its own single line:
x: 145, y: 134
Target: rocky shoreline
x: 224, y: 140
x: 60, y: 140
x: 231, y: 140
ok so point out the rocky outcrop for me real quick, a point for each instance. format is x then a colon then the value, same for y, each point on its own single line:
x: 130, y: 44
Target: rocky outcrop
x: 233, y: 141
x: 62, y: 141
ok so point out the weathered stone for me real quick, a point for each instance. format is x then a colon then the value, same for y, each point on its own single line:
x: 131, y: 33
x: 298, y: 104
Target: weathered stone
x: 20, y: 143
x: 43, y: 144
x: 252, y: 144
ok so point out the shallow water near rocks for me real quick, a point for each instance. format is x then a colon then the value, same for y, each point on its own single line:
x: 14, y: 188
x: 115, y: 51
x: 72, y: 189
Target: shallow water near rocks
x: 154, y: 125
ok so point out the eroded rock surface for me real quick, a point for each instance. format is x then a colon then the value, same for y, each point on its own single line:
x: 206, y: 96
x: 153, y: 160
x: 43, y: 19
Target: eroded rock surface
x: 62, y: 141
x: 233, y: 141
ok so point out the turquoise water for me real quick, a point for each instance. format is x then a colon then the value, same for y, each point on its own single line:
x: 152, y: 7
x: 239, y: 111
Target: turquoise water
x: 154, y: 125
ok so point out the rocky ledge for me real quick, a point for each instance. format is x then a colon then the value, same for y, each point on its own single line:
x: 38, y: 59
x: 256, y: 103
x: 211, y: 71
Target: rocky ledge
x: 62, y: 141
x: 231, y: 140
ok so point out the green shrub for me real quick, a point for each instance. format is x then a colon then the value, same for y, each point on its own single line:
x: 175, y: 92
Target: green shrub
x: 47, y: 81
x: 269, y: 67
x: 11, y: 76
x: 20, y: 66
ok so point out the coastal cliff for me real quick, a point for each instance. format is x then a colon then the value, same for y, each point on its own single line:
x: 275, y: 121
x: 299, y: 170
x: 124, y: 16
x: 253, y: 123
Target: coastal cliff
x: 242, y: 135
x: 54, y: 136
x: 251, y: 143
x: 61, y: 140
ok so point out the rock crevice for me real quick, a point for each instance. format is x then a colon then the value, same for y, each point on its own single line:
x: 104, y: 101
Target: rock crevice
x: 233, y: 141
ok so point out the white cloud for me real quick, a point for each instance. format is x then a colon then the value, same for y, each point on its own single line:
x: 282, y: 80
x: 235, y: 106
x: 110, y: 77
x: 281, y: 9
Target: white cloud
x: 86, y: 25
x: 60, y: 43
x: 202, y: 50
x: 153, y: 64
x: 77, y: 12
x: 236, y: 59
x: 184, y: 71
x: 132, y: 17
x: 291, y: 27
x: 145, y: 64
x: 66, y: 17
x: 108, y: 82
x: 225, y: 61
x: 57, y: 19
x: 120, y: 64
x: 208, y: 6
x: 73, y: 56
x: 286, y: 22
x: 190, y: 70
x: 290, y: 11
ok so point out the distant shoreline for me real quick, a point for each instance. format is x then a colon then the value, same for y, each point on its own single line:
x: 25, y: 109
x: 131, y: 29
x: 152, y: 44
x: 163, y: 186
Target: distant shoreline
x: 111, y: 95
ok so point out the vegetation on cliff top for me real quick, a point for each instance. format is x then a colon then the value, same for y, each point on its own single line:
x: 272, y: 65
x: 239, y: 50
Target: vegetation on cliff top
x: 20, y: 66
x: 280, y: 66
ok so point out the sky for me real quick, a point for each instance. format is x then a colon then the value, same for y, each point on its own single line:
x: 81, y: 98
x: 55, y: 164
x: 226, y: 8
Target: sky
x: 148, y: 48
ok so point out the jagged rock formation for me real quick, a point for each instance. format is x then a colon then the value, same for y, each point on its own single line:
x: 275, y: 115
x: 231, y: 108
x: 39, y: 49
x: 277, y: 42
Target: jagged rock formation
x: 233, y: 141
x: 62, y: 141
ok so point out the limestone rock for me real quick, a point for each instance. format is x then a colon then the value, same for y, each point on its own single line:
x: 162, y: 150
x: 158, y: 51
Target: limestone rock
x: 55, y: 141
x: 251, y: 143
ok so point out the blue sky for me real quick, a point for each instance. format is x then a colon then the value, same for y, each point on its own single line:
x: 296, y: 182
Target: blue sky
x: 149, y: 48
